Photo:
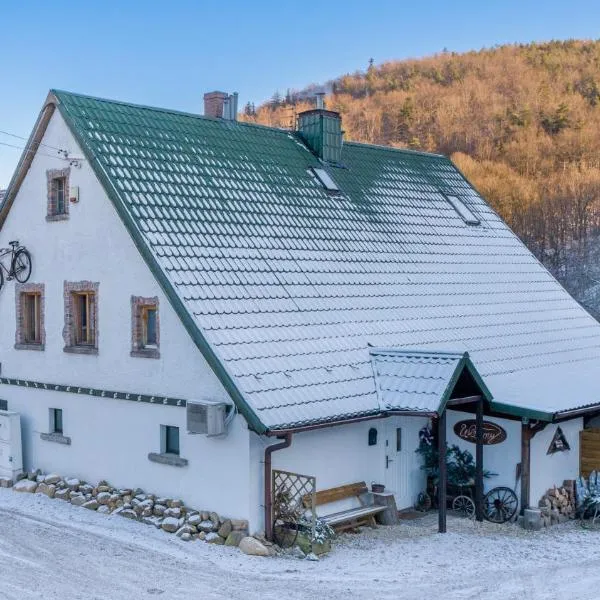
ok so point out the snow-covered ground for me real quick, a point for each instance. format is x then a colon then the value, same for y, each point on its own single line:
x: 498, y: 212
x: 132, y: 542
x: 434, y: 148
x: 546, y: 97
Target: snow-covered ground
x: 50, y: 549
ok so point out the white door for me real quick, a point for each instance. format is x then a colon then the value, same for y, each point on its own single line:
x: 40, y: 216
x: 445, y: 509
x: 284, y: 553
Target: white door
x: 403, y: 474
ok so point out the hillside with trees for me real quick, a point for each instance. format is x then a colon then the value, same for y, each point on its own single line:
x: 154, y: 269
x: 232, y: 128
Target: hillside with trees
x: 521, y: 121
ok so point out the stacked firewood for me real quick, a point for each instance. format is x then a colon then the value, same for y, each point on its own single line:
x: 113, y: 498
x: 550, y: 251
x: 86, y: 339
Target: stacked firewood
x: 558, y: 504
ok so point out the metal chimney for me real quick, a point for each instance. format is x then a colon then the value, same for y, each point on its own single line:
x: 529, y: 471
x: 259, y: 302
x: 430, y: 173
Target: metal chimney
x: 320, y: 100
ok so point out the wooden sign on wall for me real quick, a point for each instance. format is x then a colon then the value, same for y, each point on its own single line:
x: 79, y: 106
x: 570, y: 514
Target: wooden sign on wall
x: 492, y: 433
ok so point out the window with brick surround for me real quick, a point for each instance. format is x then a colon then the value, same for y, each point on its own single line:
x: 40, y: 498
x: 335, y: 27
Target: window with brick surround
x: 30, y: 333
x: 58, y: 194
x: 145, y: 327
x: 81, y: 317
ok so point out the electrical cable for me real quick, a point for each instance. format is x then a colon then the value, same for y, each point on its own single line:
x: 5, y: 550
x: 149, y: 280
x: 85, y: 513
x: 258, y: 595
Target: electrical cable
x: 31, y: 150
x: 20, y: 137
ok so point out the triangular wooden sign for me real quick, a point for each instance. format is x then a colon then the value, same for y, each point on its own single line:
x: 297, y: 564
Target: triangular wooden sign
x: 559, y: 442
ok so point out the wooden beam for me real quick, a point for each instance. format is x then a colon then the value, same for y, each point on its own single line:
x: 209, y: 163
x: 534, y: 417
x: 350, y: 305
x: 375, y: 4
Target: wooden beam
x: 443, y: 473
x: 479, y: 461
x: 525, y: 464
x: 465, y: 400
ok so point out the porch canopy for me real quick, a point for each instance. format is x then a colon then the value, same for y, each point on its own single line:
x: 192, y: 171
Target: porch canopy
x: 424, y: 382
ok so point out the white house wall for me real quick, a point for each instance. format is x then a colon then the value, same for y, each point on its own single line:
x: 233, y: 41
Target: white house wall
x: 548, y: 470
x: 110, y: 438
x: 337, y: 456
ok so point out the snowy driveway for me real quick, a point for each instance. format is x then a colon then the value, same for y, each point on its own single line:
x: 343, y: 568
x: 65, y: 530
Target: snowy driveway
x: 50, y: 549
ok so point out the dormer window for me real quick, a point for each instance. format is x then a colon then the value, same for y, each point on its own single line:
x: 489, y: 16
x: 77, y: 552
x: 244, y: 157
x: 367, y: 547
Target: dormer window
x: 325, y: 179
x: 58, y: 194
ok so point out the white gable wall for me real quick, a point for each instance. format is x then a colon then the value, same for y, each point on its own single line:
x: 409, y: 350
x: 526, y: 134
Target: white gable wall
x: 110, y: 438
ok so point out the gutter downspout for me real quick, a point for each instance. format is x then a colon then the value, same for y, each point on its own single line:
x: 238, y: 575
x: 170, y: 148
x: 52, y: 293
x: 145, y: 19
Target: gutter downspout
x: 286, y: 443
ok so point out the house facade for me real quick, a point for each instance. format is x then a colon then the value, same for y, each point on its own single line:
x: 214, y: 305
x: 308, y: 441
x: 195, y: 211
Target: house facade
x: 319, y: 291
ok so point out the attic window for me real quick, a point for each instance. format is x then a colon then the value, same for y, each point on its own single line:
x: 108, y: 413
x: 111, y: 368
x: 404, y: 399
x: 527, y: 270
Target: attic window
x: 328, y: 183
x: 463, y: 210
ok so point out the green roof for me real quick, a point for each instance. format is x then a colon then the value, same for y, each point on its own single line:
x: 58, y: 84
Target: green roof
x: 286, y: 287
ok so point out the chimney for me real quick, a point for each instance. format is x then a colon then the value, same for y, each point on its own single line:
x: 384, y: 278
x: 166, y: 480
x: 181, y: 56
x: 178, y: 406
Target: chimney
x: 321, y: 131
x: 221, y: 105
x: 213, y: 104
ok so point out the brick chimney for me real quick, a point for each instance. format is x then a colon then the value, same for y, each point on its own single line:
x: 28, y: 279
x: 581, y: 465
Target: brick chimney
x: 213, y: 104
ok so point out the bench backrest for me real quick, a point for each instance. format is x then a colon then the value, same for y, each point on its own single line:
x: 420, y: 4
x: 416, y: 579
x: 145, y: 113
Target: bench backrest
x: 338, y: 493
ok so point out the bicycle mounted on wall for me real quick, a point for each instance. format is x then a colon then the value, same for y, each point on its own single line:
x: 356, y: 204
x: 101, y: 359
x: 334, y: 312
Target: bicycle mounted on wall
x: 20, y: 263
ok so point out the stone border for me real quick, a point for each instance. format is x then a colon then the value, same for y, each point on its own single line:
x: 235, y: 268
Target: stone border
x: 51, y: 214
x: 58, y: 438
x: 168, y: 459
x: 138, y: 350
x: 70, y: 288
x: 28, y: 288
x: 98, y: 393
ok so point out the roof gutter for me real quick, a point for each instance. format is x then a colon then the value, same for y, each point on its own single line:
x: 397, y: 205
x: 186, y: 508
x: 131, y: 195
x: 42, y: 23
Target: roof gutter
x: 286, y: 443
x: 564, y: 415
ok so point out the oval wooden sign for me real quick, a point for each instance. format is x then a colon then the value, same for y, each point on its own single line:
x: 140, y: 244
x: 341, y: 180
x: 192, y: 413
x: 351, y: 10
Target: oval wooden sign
x: 492, y: 433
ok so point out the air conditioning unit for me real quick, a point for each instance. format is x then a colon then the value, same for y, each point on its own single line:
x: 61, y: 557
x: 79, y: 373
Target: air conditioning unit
x: 207, y: 417
x: 11, y: 449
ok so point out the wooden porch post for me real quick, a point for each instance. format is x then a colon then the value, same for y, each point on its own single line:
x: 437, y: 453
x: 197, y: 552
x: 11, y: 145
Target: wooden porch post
x: 479, y: 461
x: 525, y: 464
x: 443, y: 474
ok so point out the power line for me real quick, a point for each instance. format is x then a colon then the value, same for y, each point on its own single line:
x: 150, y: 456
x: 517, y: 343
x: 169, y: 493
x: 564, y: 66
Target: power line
x: 31, y: 150
x: 20, y: 137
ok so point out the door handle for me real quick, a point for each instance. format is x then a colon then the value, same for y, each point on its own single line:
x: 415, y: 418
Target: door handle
x: 388, y: 460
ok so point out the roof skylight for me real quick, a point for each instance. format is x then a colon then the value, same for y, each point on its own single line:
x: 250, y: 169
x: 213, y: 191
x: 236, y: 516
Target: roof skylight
x: 463, y: 210
x: 326, y: 180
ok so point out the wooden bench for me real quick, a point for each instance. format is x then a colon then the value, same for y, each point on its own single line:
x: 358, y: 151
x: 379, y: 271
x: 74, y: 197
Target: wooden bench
x: 353, y: 517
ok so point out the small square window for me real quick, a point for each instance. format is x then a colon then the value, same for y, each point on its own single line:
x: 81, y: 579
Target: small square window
x: 56, y: 420
x: 170, y: 439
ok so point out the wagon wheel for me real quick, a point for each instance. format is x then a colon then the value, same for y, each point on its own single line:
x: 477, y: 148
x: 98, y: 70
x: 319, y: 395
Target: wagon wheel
x: 464, y: 506
x: 500, y: 505
x: 285, y: 529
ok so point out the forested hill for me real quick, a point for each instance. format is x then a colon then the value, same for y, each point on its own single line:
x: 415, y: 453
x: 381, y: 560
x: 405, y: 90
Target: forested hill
x: 521, y: 121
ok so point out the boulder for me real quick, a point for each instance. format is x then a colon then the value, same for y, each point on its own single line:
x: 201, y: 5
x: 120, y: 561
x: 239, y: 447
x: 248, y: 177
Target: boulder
x: 103, y: 488
x: 186, y: 537
x: 103, y: 498
x: 173, y: 512
x: 104, y: 509
x: 170, y: 524
x: 91, y: 504
x: 86, y: 488
x: 206, y: 526
x: 73, y: 483
x: 147, y: 512
x: 311, y: 556
x: 214, y: 517
x: 44, y: 488
x: 252, y: 546
x: 184, y: 529
x: 79, y: 500
x: 174, y: 503
x: 128, y: 514
x: 194, y: 519
x: 163, y: 501
x: 159, y: 510
x: 6, y: 482
x: 25, y: 485
x: 52, y: 478
x: 225, y: 529
x: 62, y: 494
x: 214, y: 538
x: 33, y: 475
x: 156, y: 521
x: 40, y: 478
x: 239, y: 525
x: 234, y: 538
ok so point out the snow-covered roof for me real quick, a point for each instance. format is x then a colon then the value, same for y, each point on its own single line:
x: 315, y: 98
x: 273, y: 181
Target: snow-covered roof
x: 414, y: 381
x: 286, y: 287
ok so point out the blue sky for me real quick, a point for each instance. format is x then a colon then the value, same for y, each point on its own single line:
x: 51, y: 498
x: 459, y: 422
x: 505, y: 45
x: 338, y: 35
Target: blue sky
x: 170, y: 53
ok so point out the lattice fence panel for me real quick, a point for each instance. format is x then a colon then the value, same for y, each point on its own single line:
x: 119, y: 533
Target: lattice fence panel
x: 294, y: 496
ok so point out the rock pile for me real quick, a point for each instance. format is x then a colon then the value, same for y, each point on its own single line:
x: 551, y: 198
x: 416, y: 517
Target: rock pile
x: 558, y: 504
x: 168, y: 514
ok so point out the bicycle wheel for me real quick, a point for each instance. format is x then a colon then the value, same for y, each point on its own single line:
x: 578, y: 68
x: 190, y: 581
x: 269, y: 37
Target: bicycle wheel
x: 464, y: 506
x: 21, y: 266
